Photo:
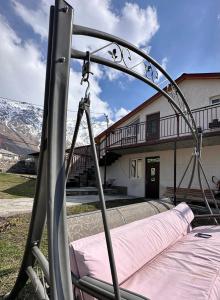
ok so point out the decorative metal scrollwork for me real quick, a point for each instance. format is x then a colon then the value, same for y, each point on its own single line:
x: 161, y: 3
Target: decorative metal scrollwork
x: 122, y: 55
x: 150, y: 72
x: 118, y: 56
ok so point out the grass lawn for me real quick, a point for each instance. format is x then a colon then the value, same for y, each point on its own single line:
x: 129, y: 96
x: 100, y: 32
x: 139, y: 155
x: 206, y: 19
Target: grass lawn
x: 13, y: 234
x: 16, y: 186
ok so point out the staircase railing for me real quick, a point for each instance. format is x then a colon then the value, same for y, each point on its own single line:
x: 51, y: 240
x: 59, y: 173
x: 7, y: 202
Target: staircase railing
x: 82, y: 160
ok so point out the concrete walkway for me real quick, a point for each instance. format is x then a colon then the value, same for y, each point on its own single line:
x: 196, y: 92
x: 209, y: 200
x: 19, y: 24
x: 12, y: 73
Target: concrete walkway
x: 10, y: 207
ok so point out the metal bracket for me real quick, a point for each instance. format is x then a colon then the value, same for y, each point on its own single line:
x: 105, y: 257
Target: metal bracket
x: 85, y: 103
x: 86, y: 68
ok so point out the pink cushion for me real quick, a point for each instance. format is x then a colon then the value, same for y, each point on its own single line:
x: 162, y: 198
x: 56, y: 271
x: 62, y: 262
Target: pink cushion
x: 190, y: 269
x: 134, y: 244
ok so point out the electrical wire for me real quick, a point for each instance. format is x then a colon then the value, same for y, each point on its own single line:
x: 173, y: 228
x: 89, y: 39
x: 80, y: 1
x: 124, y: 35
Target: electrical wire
x: 83, y: 127
x: 40, y: 105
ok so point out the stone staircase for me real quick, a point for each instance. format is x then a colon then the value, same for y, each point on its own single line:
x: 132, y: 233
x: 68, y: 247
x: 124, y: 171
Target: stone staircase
x: 82, y: 173
x: 83, y: 177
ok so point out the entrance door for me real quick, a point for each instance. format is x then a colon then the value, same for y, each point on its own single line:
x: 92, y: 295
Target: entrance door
x: 153, y: 126
x: 152, y: 177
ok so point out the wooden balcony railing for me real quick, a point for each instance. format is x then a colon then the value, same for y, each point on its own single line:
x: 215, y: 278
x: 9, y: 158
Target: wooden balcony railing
x: 207, y: 118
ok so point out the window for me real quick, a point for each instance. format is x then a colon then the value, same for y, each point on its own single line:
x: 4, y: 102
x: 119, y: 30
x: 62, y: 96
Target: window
x: 215, y: 100
x: 136, y: 168
x: 153, y: 126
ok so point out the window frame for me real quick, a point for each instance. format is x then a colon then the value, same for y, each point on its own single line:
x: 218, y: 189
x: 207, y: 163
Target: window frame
x: 138, y: 173
x: 214, y: 98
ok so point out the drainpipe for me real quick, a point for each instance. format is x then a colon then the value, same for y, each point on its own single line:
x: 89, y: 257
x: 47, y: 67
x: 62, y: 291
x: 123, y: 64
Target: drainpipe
x: 174, y: 159
x: 105, y: 169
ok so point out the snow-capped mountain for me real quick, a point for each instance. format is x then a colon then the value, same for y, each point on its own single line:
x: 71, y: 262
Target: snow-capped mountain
x: 20, y: 127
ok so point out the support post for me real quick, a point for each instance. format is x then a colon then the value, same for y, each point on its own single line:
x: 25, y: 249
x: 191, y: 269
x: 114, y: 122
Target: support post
x: 38, y: 287
x: 39, y: 205
x: 105, y: 169
x: 59, y: 265
x: 103, y: 206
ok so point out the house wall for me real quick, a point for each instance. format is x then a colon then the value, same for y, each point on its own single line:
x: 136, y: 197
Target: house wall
x: 197, y: 93
x: 120, y: 169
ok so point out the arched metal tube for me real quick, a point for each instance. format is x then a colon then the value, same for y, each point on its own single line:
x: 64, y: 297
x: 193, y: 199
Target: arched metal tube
x: 81, y: 30
x: 82, y: 55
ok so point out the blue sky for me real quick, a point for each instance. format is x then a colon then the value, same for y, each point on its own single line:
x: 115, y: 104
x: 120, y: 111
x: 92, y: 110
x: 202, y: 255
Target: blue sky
x: 183, y: 34
x: 189, y: 36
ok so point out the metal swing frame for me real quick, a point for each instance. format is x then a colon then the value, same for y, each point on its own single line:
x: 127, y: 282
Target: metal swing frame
x: 49, y: 201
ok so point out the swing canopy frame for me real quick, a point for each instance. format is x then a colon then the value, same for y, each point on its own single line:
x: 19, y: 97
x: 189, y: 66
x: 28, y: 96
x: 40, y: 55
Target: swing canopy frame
x: 49, y: 202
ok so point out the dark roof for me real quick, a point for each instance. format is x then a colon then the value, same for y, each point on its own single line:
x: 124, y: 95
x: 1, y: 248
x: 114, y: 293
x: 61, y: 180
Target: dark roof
x: 36, y: 154
x: 184, y: 76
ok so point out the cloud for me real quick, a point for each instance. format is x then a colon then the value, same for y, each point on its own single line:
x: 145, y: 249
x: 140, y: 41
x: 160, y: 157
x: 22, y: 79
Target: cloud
x: 164, y: 66
x: 121, y: 113
x: 22, y: 73
x: 133, y: 23
x: 164, y: 62
x: 136, y: 24
x: 37, y: 17
x: 23, y: 76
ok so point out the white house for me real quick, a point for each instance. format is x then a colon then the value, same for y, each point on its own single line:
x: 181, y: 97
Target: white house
x: 140, y: 146
x: 8, y: 155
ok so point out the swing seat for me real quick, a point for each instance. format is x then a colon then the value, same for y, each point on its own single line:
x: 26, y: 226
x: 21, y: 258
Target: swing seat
x: 158, y: 257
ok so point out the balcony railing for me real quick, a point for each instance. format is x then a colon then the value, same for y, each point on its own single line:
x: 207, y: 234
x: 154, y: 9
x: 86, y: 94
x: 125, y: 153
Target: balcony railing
x: 207, y: 118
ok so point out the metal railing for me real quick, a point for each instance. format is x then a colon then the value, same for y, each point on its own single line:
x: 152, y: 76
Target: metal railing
x: 207, y: 118
x: 81, y: 160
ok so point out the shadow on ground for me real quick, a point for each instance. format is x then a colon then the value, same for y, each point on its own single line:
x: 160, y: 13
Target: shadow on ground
x: 25, y: 189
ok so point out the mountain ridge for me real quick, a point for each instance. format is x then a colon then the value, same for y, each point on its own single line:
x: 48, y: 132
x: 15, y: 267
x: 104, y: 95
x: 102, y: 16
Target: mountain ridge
x: 21, y: 125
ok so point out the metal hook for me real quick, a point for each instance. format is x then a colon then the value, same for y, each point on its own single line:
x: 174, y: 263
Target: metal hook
x: 87, y: 89
x: 86, y: 68
x: 86, y: 72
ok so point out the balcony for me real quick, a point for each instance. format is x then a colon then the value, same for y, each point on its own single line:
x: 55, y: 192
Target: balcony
x: 157, y: 129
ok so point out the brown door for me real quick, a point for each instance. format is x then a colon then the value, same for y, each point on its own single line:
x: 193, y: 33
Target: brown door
x: 153, y: 126
x: 152, y: 177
